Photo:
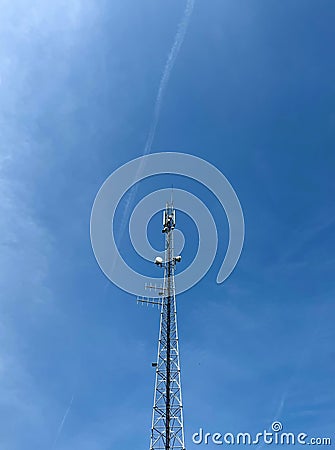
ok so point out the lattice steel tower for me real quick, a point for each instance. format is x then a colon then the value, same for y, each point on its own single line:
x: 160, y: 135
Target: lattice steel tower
x: 167, y: 429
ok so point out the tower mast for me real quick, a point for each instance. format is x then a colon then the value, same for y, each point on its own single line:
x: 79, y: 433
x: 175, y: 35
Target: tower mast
x: 167, y: 429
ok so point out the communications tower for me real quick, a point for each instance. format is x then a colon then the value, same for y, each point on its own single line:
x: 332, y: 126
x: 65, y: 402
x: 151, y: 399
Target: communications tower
x: 167, y: 428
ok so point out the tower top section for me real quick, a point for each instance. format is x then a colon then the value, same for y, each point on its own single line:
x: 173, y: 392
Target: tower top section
x: 169, y: 218
x: 169, y: 223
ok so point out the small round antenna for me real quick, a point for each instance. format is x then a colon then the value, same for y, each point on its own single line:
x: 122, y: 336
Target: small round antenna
x: 159, y: 261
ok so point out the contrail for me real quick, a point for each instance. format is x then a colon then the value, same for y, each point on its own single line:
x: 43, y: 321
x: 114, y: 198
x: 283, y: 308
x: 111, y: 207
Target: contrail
x: 277, y: 415
x: 177, y: 43
x: 60, y: 428
x: 281, y: 406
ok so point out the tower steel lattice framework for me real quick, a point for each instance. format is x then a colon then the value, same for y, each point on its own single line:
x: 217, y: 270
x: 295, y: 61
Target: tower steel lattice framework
x: 167, y: 428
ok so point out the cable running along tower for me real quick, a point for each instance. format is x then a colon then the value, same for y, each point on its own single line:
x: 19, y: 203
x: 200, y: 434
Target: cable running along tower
x: 167, y: 429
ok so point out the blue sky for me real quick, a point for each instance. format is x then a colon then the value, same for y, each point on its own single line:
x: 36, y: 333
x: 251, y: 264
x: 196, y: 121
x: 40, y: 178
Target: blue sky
x: 252, y: 91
